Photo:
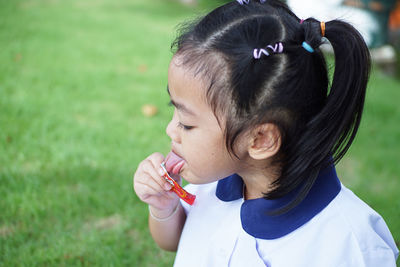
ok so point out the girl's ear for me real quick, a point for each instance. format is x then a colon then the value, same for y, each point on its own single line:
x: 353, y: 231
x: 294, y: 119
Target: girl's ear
x: 265, y: 141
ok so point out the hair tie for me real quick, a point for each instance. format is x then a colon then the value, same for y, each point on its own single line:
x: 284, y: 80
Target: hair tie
x: 307, y: 47
x: 322, y: 28
x: 301, y: 21
x: 241, y: 2
x: 276, y: 49
x: 257, y: 53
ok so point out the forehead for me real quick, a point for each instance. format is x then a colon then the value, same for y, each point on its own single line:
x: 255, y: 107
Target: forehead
x: 184, y: 85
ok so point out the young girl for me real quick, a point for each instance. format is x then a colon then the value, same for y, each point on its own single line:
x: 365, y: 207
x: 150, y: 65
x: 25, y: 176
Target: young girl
x: 256, y: 131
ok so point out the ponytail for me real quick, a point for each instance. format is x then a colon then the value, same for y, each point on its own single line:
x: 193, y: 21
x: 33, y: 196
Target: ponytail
x: 329, y: 134
x: 347, y: 94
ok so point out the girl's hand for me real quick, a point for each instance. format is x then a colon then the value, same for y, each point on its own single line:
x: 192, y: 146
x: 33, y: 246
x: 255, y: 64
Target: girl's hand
x: 152, y: 188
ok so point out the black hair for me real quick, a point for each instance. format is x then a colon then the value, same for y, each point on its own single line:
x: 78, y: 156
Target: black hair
x: 317, y: 120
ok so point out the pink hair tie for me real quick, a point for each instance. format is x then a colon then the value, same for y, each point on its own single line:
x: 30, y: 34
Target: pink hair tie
x: 257, y: 53
x: 301, y: 21
x: 276, y: 49
x: 241, y: 2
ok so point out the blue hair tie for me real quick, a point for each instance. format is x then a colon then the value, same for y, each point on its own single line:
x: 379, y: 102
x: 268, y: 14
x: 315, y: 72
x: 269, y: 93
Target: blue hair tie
x: 307, y: 47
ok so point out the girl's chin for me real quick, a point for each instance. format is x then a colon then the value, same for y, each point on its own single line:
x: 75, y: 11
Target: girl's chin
x: 191, y: 178
x: 188, y: 176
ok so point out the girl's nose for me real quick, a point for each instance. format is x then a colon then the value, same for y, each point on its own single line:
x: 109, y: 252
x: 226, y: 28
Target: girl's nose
x: 172, y: 129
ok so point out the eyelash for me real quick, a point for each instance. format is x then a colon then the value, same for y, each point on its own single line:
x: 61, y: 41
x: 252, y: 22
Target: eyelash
x: 184, y: 127
x: 180, y: 125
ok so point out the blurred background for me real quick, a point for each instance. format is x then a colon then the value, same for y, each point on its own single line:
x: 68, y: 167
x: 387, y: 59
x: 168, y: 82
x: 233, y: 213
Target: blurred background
x: 83, y: 100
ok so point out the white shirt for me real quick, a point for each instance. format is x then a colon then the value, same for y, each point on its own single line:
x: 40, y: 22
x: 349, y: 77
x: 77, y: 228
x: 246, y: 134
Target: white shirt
x: 331, y: 227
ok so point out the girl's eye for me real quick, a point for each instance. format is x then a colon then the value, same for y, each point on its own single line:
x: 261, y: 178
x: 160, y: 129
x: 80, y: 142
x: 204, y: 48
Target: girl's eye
x: 184, y: 127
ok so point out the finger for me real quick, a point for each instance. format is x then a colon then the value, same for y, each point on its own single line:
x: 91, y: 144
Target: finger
x: 139, y: 171
x: 150, y: 181
x: 149, y: 189
x: 156, y: 159
x: 156, y: 173
x: 146, y: 167
x: 155, y: 198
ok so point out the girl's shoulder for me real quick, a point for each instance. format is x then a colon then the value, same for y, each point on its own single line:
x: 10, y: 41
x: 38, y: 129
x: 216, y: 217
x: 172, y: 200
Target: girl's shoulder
x: 359, y: 230
x: 366, y: 225
x: 347, y: 232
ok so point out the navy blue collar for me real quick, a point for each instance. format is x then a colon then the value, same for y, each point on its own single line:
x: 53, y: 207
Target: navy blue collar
x: 254, y: 212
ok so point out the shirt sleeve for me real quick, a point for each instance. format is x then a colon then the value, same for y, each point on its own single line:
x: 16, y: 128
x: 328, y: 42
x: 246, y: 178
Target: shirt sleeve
x: 382, y: 257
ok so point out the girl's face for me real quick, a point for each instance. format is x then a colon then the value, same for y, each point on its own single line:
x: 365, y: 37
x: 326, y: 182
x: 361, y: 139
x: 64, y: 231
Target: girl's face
x: 195, y: 133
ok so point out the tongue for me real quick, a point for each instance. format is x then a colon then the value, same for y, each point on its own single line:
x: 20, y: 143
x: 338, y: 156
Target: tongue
x: 174, y: 163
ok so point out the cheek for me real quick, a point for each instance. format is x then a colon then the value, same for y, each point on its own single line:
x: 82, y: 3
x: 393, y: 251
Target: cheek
x: 208, y: 158
x: 196, y: 149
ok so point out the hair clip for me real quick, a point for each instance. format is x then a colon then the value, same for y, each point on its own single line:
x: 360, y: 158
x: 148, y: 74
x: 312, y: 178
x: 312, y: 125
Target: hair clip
x: 307, y: 47
x: 277, y: 48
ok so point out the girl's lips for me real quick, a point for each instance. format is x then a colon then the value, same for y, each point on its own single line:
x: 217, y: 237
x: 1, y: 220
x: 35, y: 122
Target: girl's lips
x: 173, y: 163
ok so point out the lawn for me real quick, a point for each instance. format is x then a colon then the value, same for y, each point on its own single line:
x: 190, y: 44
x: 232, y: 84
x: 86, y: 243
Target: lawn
x: 73, y: 78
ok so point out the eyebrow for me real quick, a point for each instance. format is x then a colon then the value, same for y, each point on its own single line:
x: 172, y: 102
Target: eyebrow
x: 180, y: 106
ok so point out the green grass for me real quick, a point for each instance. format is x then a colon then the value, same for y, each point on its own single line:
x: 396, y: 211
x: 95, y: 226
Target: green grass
x: 372, y: 169
x: 73, y: 78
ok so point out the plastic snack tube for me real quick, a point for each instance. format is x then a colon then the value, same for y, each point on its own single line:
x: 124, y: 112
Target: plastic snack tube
x: 182, y: 193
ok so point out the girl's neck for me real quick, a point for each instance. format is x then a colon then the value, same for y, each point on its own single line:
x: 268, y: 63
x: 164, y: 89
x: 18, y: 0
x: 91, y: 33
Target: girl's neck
x: 257, y: 183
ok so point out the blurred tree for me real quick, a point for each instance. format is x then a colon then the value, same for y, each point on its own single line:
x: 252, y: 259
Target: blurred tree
x: 380, y: 11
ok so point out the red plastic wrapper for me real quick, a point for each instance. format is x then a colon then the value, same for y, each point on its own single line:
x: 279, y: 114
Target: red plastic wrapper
x: 182, y: 193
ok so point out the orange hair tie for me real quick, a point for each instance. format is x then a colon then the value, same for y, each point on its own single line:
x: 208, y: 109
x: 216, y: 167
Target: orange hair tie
x: 322, y: 28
